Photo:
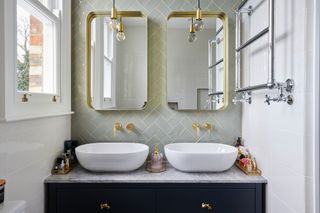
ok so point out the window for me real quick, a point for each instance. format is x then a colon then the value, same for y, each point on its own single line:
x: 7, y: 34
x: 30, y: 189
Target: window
x: 37, y: 49
x: 108, y: 60
x: 103, y: 54
x: 35, y: 31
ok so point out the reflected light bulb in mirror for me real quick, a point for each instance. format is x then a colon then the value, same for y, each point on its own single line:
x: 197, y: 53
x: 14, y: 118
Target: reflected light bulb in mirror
x: 121, y: 36
x: 198, y: 25
x: 192, y: 37
x: 113, y: 24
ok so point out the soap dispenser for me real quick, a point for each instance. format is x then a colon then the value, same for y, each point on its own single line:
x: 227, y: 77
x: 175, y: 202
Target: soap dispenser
x: 156, y: 163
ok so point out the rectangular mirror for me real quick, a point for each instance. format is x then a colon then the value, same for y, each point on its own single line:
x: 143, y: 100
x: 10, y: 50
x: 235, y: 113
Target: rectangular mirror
x: 197, y: 62
x: 117, y: 61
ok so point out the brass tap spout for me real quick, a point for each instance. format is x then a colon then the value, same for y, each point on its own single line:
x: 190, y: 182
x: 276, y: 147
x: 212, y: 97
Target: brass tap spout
x: 196, y: 127
x: 117, y: 127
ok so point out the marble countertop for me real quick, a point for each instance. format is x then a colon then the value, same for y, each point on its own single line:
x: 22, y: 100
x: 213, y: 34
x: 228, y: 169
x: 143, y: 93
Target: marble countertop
x: 171, y: 175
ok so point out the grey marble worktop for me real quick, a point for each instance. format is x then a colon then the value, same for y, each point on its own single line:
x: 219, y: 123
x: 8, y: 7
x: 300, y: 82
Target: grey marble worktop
x: 171, y: 175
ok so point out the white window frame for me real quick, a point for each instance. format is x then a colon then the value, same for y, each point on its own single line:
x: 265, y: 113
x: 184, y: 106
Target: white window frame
x: 56, y: 19
x: 39, y: 105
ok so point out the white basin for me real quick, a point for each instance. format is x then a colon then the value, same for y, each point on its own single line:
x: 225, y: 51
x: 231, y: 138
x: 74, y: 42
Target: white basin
x: 201, y: 157
x: 112, y: 157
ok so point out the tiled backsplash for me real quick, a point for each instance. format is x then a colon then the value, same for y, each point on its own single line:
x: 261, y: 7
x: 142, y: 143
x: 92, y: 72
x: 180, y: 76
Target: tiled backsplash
x: 157, y: 123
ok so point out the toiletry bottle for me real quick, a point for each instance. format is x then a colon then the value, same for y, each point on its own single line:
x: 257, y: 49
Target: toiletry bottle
x: 67, y: 161
x: 238, y: 142
x: 61, y: 167
x: 156, y: 158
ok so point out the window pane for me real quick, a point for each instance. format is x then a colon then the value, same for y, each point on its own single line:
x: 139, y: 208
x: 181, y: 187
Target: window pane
x: 108, y: 40
x: 107, y: 79
x: 35, y: 51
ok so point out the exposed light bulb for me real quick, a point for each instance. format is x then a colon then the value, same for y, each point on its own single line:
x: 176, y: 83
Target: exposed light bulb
x: 113, y: 17
x: 192, y: 37
x: 113, y: 24
x: 121, y: 36
x: 198, y: 25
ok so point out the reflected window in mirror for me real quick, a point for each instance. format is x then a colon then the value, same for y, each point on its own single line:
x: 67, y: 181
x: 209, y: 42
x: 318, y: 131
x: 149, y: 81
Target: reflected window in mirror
x: 118, y: 67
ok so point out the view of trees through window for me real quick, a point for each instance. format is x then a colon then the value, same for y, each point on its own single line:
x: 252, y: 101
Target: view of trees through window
x: 35, y: 51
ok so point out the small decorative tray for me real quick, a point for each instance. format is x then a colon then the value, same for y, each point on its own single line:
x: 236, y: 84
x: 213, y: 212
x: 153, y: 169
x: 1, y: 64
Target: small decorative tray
x: 162, y: 169
x: 257, y: 172
x: 64, y: 172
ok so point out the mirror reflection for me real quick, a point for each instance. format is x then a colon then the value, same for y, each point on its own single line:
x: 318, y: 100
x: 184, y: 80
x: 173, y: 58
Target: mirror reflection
x: 118, y: 63
x: 195, y: 64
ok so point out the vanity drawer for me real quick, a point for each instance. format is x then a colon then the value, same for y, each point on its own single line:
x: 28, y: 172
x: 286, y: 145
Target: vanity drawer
x: 155, y: 197
x: 221, y: 200
x: 90, y: 200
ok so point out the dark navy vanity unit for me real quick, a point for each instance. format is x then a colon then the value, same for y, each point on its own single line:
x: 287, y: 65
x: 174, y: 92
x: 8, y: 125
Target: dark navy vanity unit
x: 168, y: 192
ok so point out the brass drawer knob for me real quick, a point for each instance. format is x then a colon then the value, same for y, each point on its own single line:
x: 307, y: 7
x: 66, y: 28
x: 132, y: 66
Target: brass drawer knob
x: 207, y: 206
x: 104, y: 206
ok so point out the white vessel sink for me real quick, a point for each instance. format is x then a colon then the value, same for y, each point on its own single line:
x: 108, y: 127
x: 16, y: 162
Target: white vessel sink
x: 201, y: 157
x: 112, y: 157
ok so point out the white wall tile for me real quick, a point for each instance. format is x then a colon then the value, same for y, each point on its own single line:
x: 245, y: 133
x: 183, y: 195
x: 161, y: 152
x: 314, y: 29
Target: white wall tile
x: 279, y: 135
x: 27, y: 153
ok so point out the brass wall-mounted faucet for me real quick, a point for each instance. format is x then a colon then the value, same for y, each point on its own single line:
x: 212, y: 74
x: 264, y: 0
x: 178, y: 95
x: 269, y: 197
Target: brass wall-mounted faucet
x: 130, y: 127
x: 196, y: 127
x: 208, y: 126
x: 116, y: 127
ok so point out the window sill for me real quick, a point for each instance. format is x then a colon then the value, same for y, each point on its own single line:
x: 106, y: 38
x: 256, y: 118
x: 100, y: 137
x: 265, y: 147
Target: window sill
x: 32, y: 117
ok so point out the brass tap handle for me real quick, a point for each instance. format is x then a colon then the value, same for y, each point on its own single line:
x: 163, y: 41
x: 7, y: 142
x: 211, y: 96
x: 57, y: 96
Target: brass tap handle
x: 130, y: 126
x: 207, y: 206
x: 105, y: 206
x: 117, y: 126
x: 207, y: 126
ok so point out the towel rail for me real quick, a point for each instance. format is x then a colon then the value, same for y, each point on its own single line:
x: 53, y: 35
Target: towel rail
x: 270, y: 30
x: 245, y: 92
x: 253, y: 39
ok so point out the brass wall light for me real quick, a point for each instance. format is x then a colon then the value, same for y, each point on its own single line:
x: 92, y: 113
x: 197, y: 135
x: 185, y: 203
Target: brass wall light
x: 113, y: 17
x: 121, y: 36
x: 199, y: 22
x: 192, y: 35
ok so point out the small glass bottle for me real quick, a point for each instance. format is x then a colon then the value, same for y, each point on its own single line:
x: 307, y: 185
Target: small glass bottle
x: 156, y: 158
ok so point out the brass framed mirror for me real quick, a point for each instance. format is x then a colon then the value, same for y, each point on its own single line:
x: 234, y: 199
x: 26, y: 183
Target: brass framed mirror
x: 116, y: 61
x: 197, y: 61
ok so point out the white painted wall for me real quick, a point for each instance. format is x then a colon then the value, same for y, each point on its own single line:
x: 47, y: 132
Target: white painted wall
x: 132, y: 68
x: 28, y: 148
x: 279, y: 135
x: 27, y: 153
